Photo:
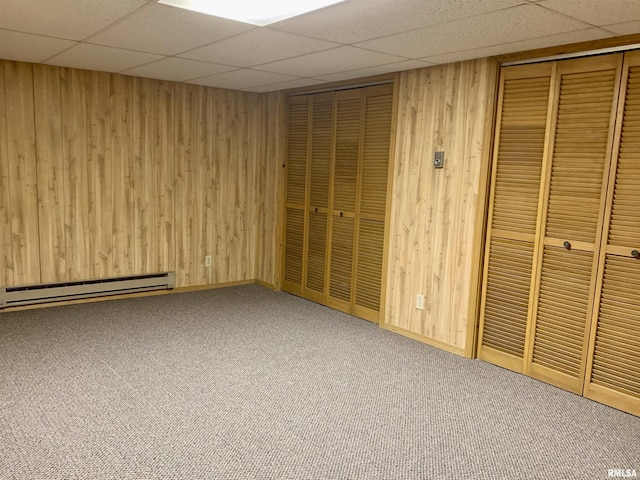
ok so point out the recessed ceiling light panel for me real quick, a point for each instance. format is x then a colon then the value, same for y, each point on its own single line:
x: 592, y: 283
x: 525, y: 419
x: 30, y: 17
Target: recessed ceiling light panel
x: 255, y: 12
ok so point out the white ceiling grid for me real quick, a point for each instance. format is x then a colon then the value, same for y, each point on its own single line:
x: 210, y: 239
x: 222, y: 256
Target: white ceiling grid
x: 348, y: 40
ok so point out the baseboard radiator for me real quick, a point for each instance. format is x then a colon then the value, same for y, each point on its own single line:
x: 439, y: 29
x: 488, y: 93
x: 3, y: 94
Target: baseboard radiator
x: 58, y: 292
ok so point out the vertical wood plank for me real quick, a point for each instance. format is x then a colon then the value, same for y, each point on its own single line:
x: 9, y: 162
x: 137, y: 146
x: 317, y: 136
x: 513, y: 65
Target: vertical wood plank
x: 200, y: 185
x: 6, y: 247
x: 123, y: 174
x: 218, y: 153
x: 235, y: 211
x: 481, y: 228
x: 99, y: 176
x: 144, y: 215
x: 74, y: 134
x: 164, y: 154
x: 21, y: 156
x: 206, y: 144
x: 222, y: 166
x: 50, y: 172
x: 269, y: 178
x: 254, y: 153
x: 276, y: 106
x: 184, y: 204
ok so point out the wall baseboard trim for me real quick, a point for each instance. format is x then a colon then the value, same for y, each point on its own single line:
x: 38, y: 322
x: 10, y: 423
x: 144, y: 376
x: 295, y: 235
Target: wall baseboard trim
x: 424, y: 339
x: 265, y: 284
x: 154, y: 293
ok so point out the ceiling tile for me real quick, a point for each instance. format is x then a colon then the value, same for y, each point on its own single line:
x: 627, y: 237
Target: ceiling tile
x: 25, y: 47
x: 272, y: 87
x: 513, y: 24
x: 532, y: 44
x: 258, y: 46
x: 358, y: 20
x: 626, y: 28
x: 597, y: 12
x: 241, y: 79
x: 377, y: 70
x: 71, y: 19
x: 177, y: 69
x: 330, y: 61
x: 167, y: 30
x: 96, y: 57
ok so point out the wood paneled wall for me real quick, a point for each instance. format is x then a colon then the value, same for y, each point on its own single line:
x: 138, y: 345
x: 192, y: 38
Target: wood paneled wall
x: 104, y: 174
x: 434, y: 211
x: 270, y: 188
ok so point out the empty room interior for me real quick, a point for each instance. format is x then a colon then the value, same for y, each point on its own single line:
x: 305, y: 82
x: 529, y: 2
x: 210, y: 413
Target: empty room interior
x: 353, y: 239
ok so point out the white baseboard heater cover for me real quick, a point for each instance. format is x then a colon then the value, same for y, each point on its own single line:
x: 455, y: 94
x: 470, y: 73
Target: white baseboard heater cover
x: 58, y: 292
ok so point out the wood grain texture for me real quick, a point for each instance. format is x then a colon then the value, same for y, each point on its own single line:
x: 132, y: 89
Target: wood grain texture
x: 6, y: 247
x: 433, y: 212
x: 22, y: 171
x: 122, y: 173
x: 613, y: 368
x: 111, y: 175
x: 144, y: 174
x: 270, y: 181
x: 513, y: 218
x: 76, y: 191
x: 51, y: 168
x: 164, y: 159
x: 100, y: 176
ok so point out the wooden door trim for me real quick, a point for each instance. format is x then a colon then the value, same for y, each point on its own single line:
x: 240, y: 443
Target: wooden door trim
x: 491, y: 202
x: 395, y: 95
x: 479, y: 254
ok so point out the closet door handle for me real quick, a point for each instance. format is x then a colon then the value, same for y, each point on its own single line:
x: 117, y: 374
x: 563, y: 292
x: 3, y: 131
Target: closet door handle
x: 567, y: 245
x: 635, y: 253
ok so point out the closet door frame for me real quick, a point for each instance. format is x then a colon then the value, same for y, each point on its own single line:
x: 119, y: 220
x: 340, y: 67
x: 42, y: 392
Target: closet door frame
x: 387, y: 213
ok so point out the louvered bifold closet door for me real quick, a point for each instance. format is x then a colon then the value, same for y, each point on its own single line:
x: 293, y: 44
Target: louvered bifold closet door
x: 349, y: 123
x: 297, y: 160
x: 613, y: 374
x: 584, y: 118
x: 321, y: 132
x: 372, y: 201
x: 522, y: 123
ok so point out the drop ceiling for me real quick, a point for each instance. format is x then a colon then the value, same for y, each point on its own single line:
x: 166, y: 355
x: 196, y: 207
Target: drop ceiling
x: 352, y: 39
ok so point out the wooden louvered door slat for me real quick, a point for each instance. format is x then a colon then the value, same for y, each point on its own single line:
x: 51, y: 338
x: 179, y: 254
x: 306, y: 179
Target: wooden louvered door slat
x: 522, y: 126
x: 349, y: 124
x: 321, y: 132
x: 613, y: 366
x: 372, y: 201
x: 296, y: 185
x: 573, y: 207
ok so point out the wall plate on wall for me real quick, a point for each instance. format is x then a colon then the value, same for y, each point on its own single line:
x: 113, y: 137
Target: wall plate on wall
x: 438, y: 159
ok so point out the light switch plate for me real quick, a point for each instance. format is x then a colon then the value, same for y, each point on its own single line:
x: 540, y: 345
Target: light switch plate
x: 438, y: 159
